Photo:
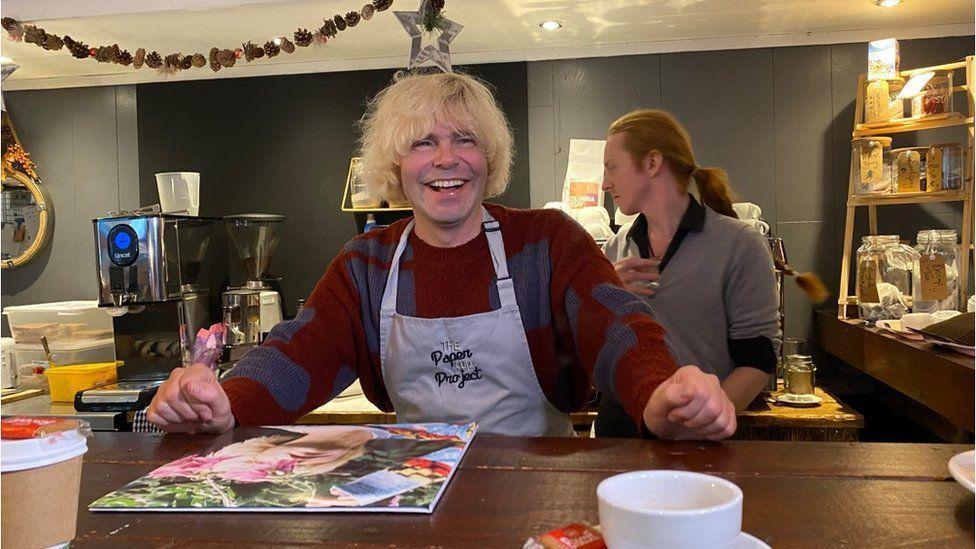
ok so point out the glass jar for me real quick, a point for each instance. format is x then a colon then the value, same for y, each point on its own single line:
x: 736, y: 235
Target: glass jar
x: 881, y: 101
x: 799, y: 375
x: 935, y: 97
x: 884, y: 277
x: 935, y: 278
x: 908, y: 169
x: 943, y: 167
x: 872, y: 170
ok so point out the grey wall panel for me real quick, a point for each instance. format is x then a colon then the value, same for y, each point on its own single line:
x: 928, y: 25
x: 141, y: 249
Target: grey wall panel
x: 543, y: 186
x: 580, y: 101
x: 803, y: 159
x: 127, y: 130
x: 73, y: 136
x: 745, y: 125
x: 689, y: 90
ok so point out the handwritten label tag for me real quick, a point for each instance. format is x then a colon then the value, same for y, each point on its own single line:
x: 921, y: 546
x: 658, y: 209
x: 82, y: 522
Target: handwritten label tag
x: 908, y: 165
x: 933, y: 277
x: 872, y: 164
x: 933, y: 169
x: 877, y: 99
x: 867, y: 281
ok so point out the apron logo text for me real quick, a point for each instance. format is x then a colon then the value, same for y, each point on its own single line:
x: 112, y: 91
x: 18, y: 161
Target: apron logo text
x: 459, y: 360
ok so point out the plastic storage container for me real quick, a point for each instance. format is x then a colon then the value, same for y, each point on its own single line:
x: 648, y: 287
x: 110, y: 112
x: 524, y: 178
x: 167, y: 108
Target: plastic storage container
x: 935, y: 281
x: 872, y: 159
x: 935, y: 97
x: 65, y: 381
x: 943, y: 167
x: 908, y: 170
x: 85, y: 353
x: 63, y: 322
x: 884, y: 277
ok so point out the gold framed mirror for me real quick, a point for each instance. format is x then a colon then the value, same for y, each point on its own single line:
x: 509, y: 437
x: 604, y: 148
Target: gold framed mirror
x: 26, y: 211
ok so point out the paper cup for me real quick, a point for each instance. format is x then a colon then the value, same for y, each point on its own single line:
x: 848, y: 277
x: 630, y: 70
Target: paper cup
x: 674, y: 509
x: 179, y: 192
x: 41, y: 479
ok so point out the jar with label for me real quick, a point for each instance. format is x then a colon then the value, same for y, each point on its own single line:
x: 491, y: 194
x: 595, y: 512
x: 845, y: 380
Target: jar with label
x: 935, y: 97
x: 872, y: 158
x: 908, y: 169
x: 943, y: 167
x: 799, y: 375
x: 935, y: 281
x: 881, y: 101
x: 884, y: 277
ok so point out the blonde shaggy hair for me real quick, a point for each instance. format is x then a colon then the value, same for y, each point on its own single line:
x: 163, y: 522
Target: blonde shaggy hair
x: 410, y: 107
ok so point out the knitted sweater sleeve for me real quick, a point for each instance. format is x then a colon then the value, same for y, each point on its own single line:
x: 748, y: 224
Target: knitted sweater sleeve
x: 618, y: 344
x: 306, y: 361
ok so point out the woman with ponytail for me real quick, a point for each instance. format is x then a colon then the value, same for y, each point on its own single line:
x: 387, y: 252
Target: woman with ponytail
x: 708, y: 276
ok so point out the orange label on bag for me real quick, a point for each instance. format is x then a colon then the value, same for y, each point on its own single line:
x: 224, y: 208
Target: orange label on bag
x: 583, y: 194
x: 932, y: 274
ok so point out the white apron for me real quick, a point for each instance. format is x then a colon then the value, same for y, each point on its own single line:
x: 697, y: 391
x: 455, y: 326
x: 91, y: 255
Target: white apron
x: 469, y: 368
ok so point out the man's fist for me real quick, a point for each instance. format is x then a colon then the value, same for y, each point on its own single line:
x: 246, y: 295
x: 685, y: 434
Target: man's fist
x: 191, y: 401
x: 690, y: 405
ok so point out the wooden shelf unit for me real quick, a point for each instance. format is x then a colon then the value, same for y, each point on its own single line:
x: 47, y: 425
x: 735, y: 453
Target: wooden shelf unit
x: 965, y: 195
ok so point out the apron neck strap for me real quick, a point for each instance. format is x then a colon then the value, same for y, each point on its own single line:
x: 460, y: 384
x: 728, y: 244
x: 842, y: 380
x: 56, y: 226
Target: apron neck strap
x: 496, y: 246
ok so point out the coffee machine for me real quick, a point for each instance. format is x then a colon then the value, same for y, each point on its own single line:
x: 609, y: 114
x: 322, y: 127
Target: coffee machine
x: 252, y: 309
x: 160, y: 276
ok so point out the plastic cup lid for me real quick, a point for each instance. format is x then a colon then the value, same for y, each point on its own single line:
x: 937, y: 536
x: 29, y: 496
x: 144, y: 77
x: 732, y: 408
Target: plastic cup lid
x: 31, y: 453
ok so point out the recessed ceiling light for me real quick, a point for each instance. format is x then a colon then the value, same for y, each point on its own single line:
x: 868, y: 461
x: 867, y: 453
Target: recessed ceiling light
x: 551, y: 25
x: 887, y: 3
x: 4, y: 60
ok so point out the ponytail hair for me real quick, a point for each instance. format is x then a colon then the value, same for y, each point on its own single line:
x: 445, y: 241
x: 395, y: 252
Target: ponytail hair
x: 647, y: 130
x: 714, y: 189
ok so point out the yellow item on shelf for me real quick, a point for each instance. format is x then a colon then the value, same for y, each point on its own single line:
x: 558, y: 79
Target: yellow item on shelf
x: 65, y: 381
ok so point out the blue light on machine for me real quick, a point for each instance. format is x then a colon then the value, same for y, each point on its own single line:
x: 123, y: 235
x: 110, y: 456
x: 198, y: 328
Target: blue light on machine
x: 122, y: 240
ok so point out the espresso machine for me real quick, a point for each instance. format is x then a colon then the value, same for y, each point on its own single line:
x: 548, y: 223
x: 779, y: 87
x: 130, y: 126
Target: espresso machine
x: 250, y: 310
x: 160, y: 276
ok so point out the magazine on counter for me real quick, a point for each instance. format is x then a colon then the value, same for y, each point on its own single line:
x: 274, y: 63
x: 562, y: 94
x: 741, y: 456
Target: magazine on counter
x: 322, y: 468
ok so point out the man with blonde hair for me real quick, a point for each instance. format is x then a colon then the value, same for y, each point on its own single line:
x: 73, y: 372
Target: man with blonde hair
x: 444, y: 319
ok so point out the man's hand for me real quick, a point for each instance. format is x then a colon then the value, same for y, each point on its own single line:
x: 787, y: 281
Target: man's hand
x: 637, y: 273
x: 690, y: 405
x: 191, y: 401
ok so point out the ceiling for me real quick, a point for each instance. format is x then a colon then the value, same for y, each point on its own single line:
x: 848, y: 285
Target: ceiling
x: 495, y: 30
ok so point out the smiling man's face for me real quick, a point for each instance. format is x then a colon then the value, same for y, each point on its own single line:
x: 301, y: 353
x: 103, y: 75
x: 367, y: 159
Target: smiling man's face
x: 443, y: 176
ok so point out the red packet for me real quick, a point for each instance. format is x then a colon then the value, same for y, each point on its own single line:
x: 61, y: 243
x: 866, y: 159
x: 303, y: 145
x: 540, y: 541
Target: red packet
x: 572, y: 536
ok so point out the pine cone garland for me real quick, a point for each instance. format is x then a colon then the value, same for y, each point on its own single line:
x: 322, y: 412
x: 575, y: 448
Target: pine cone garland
x: 271, y: 49
x: 367, y: 11
x: 186, y: 62
x: 352, y: 19
x: 79, y: 50
x: 53, y: 43
x: 198, y: 60
x: 328, y: 28
x: 154, y: 60
x: 252, y: 51
x: 34, y: 35
x: 287, y: 45
x: 226, y: 58
x: 382, y: 5
x: 436, y: 5
x: 303, y: 37
x: 9, y: 24
x: 172, y: 62
x: 125, y: 58
x: 340, y: 23
x: 139, y: 58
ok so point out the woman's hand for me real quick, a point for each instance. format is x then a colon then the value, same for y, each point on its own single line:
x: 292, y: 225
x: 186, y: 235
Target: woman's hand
x: 638, y: 274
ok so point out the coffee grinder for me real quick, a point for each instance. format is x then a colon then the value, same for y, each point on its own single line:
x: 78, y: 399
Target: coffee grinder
x: 251, y: 310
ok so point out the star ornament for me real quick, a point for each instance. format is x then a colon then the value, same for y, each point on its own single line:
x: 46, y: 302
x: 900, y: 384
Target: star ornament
x: 440, y: 55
